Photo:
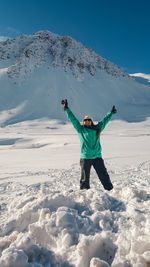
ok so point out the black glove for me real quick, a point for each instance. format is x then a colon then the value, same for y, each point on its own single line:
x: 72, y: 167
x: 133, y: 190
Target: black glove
x: 114, y: 110
x: 64, y: 104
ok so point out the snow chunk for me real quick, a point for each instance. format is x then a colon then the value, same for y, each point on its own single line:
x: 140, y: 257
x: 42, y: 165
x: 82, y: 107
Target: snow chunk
x: 96, y: 262
x: 100, y: 246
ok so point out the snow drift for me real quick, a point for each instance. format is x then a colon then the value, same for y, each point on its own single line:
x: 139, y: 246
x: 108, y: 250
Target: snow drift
x: 50, y: 225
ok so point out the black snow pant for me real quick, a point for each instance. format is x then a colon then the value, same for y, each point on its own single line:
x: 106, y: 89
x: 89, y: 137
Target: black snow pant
x: 100, y: 169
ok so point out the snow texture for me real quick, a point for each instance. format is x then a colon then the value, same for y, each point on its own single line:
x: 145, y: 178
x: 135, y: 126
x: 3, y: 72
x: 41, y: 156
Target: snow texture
x: 45, y: 220
x: 142, y: 78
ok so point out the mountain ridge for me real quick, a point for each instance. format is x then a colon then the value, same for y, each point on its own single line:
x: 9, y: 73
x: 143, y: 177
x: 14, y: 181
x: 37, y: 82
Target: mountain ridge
x: 39, y: 70
x: 64, y: 52
x: 141, y: 78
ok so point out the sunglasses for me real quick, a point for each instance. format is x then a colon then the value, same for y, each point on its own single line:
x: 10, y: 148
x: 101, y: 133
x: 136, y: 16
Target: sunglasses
x: 87, y: 120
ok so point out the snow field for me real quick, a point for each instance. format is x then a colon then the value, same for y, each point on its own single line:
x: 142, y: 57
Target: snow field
x: 55, y: 224
x: 45, y: 220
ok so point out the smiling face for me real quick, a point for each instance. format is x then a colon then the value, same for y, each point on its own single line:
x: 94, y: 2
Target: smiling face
x: 87, y: 122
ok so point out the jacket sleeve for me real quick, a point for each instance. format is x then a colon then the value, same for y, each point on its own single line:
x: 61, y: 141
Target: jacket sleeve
x: 105, y: 120
x: 73, y: 120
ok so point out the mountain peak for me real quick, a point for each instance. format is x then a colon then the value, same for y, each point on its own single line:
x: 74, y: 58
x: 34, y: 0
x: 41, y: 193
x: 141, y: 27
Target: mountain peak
x: 37, y: 71
x: 27, y: 53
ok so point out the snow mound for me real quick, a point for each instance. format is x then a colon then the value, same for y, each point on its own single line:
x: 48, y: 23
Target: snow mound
x: 56, y: 224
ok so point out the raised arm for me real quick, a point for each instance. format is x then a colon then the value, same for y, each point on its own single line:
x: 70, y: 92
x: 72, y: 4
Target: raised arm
x: 107, y: 118
x: 71, y: 116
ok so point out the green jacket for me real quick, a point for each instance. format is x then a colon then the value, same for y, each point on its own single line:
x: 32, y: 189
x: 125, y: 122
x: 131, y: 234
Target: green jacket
x: 89, y: 144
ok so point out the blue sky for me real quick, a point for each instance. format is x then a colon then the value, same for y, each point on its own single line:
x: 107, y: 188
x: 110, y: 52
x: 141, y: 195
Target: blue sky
x: 118, y: 30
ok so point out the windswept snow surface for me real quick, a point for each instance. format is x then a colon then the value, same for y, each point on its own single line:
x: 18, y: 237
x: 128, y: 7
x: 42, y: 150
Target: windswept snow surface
x: 142, y: 78
x: 45, y: 220
x: 142, y: 75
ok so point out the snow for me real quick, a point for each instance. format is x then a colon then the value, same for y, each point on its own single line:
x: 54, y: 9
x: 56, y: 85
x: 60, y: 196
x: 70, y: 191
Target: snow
x: 142, y: 75
x: 2, y: 71
x: 3, y: 38
x: 38, y: 70
x: 141, y: 78
x: 45, y: 220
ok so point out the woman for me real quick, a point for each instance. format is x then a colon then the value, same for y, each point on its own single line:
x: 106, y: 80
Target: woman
x: 89, y: 135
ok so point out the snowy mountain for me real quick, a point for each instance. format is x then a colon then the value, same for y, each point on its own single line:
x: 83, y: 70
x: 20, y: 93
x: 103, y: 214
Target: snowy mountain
x: 38, y: 70
x: 142, y: 78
